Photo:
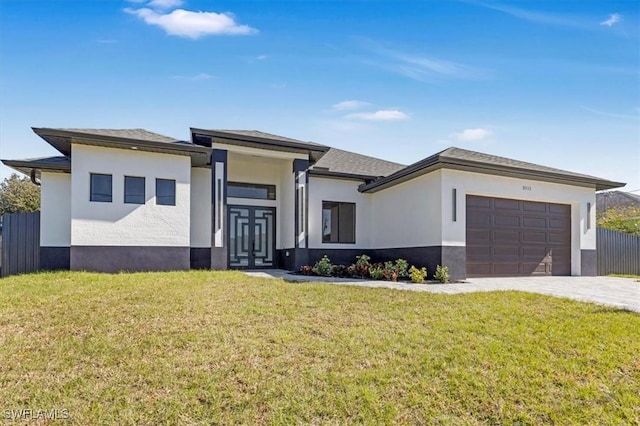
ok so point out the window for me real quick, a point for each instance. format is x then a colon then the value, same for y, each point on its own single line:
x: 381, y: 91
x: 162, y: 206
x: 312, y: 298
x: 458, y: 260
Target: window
x: 251, y: 190
x: 100, y: 188
x: 133, y: 190
x: 166, y: 192
x: 338, y: 222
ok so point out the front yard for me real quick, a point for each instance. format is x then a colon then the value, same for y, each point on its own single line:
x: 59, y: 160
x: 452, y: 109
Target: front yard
x: 222, y: 348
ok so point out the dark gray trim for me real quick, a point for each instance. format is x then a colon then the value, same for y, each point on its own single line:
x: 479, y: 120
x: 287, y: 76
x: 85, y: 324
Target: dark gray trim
x: 454, y: 204
x: 588, y: 263
x: 200, y: 258
x: 300, y: 165
x: 198, y: 136
x: 129, y: 258
x: 453, y: 257
x: 306, y: 211
x: 219, y: 255
x: 341, y: 175
x: 219, y: 258
x: 55, y: 258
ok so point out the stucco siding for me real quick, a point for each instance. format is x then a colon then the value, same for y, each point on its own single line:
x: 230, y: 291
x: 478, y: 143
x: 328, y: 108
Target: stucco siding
x: 200, y: 234
x: 408, y: 214
x: 323, y: 189
x: 120, y: 224
x: 469, y: 183
x: 55, y: 207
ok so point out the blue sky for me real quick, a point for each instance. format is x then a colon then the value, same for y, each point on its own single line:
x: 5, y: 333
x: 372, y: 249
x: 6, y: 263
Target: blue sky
x: 550, y: 82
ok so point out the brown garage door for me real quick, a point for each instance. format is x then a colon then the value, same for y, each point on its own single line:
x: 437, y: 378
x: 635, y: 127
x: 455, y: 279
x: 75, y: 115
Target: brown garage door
x: 517, y: 238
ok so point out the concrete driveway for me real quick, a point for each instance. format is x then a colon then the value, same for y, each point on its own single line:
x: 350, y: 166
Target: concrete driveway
x: 622, y: 293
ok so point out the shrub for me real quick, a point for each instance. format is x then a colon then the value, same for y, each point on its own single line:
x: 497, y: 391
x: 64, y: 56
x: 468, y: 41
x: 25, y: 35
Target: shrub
x: 394, y: 270
x: 362, y: 265
x: 306, y: 270
x: 417, y: 275
x: 323, y: 267
x: 442, y: 274
x: 376, y: 271
x: 341, y: 271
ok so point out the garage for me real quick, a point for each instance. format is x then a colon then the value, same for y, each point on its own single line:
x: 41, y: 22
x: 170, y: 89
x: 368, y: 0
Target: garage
x: 506, y: 237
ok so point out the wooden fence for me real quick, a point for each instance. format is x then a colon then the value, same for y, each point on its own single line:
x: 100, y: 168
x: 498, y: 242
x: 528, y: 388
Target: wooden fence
x: 618, y: 253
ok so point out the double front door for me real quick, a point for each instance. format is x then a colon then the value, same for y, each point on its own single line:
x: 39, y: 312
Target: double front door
x: 251, y: 237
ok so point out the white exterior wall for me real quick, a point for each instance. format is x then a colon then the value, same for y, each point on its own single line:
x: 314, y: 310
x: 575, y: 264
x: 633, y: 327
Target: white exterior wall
x: 120, y: 224
x: 55, y: 207
x: 200, y: 207
x: 468, y: 183
x: 323, y: 189
x: 408, y: 214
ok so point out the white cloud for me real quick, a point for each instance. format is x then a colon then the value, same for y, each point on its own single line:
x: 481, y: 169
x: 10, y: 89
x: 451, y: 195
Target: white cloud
x: 469, y: 135
x: 261, y: 57
x: 381, y: 115
x: 107, y: 41
x: 186, y: 23
x: 349, y: 105
x: 614, y: 18
x: 165, y: 4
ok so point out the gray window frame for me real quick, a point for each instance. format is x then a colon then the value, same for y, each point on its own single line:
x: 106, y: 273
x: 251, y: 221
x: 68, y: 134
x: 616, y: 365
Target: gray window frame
x: 93, y: 196
x: 173, y: 197
x: 339, y: 220
x: 144, y: 190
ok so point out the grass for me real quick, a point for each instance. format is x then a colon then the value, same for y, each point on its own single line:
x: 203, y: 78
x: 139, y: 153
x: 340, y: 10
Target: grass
x: 223, y: 348
x: 625, y: 276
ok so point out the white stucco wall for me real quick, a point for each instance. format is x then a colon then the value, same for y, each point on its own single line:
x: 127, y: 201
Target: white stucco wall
x: 55, y: 207
x: 200, y: 234
x: 120, y: 224
x: 408, y: 214
x: 323, y: 189
x: 468, y: 183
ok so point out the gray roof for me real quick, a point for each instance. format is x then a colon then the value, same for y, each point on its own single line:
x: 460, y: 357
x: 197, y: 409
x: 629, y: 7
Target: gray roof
x: 265, y: 135
x: 613, y: 199
x: 463, y: 159
x: 137, y: 134
x: 479, y: 157
x: 339, y: 161
x: 51, y: 164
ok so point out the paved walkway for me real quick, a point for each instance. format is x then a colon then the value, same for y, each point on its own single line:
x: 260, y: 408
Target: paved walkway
x: 622, y: 293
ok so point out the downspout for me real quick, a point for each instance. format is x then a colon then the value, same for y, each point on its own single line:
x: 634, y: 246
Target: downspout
x: 34, y: 180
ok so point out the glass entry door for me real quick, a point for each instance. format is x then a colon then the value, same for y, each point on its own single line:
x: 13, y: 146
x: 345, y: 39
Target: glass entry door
x: 251, y: 236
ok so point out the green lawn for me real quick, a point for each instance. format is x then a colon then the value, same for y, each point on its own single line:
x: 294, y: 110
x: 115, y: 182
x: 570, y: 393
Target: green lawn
x: 223, y: 348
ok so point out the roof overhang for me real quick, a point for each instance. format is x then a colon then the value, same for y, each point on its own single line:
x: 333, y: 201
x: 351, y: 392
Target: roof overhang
x: 436, y: 162
x: 207, y: 138
x: 35, y: 166
x: 63, y: 139
x: 339, y: 175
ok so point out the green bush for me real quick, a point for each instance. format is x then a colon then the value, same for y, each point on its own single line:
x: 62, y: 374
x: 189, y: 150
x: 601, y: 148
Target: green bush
x: 376, y: 272
x: 362, y: 265
x: 394, y: 270
x: 323, y: 267
x: 442, y: 274
x: 402, y: 268
x: 417, y: 275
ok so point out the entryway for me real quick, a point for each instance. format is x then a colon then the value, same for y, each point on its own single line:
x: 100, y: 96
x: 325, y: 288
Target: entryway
x: 251, y: 240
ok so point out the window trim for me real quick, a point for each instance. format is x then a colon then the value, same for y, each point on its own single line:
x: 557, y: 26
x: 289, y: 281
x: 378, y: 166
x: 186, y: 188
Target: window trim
x: 339, y: 203
x: 271, y: 189
x: 91, y: 192
x: 144, y: 189
x: 174, y: 192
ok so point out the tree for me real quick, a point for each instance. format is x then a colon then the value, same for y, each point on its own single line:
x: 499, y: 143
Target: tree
x: 622, y: 219
x: 19, y: 195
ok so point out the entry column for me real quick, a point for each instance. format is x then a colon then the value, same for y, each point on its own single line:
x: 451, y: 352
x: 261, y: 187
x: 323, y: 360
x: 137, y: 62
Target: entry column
x: 219, y: 209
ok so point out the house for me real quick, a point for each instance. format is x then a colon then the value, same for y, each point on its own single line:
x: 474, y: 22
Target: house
x: 136, y: 200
